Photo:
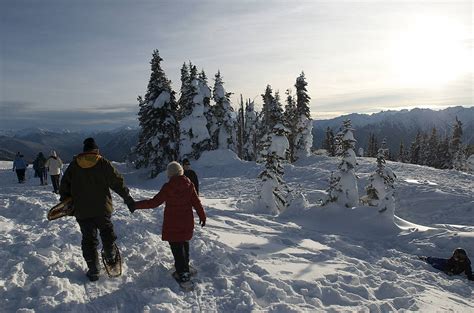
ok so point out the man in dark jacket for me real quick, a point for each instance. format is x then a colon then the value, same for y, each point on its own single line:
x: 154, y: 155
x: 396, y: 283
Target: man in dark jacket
x: 457, y: 264
x: 88, y: 180
x: 189, y: 173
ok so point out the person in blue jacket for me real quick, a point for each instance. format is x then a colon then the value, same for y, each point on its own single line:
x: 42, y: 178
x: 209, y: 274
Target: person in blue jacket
x: 20, y: 165
x: 457, y: 264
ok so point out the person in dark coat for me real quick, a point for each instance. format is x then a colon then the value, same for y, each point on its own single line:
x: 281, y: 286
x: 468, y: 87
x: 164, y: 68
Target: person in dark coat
x: 189, y: 173
x: 39, y: 165
x: 178, y: 221
x: 457, y: 264
x: 88, y: 180
x: 19, y: 166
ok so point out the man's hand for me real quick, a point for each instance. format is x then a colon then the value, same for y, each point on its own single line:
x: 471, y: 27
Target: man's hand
x: 130, y: 204
x: 202, y: 222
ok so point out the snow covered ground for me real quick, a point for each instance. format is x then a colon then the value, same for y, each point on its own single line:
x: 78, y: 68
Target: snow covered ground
x: 314, y: 259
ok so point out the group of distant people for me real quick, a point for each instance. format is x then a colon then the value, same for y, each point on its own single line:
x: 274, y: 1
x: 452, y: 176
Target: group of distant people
x: 42, y: 166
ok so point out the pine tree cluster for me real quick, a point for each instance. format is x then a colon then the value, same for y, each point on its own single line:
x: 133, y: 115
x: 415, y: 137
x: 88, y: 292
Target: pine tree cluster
x: 203, y: 119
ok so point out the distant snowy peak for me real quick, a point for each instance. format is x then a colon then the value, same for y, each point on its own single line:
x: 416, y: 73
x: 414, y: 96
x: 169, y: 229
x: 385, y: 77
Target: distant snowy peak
x: 424, y: 117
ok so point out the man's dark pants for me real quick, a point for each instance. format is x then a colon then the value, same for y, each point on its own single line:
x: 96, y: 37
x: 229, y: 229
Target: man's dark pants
x: 89, y: 227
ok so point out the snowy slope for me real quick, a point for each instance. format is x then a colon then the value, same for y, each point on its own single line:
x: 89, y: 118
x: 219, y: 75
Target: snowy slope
x: 314, y: 259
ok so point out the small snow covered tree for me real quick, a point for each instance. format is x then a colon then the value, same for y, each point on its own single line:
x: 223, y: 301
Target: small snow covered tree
x: 225, y: 134
x: 158, y: 137
x: 274, y: 192
x: 343, y: 184
x: 195, y: 94
x: 250, y: 132
x: 304, y: 126
x: 381, y: 190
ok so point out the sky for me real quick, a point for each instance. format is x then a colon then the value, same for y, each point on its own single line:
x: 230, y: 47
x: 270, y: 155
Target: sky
x: 81, y: 64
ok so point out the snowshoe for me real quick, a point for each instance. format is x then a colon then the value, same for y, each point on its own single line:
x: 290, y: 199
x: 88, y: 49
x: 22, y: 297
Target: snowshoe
x: 64, y: 208
x: 184, y: 281
x: 112, y: 262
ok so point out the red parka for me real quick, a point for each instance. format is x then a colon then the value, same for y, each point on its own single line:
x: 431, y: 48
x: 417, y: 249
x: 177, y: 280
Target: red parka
x: 180, y: 197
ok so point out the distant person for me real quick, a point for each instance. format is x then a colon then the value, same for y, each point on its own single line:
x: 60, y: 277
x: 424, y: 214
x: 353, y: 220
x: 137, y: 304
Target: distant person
x: 180, y: 197
x: 189, y: 173
x: 54, y: 164
x: 20, y: 165
x: 88, y: 180
x: 457, y: 264
x: 39, y: 165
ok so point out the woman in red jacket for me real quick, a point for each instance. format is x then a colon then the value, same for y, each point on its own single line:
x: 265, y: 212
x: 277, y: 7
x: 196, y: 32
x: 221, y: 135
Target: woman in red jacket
x: 178, y: 221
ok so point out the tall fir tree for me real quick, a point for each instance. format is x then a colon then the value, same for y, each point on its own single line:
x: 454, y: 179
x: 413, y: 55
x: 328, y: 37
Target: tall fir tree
x: 158, y: 138
x: 415, y: 149
x: 304, y: 127
x: 224, y: 115
x: 250, y: 132
x: 272, y: 114
x: 444, y: 155
x: 433, y: 149
x: 290, y: 120
x: 328, y: 143
x: 456, y: 147
x: 195, y: 95
x: 240, y: 128
x: 402, y: 157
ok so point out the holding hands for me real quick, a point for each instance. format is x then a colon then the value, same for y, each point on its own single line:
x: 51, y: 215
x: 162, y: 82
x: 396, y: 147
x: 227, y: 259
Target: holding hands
x: 130, y: 204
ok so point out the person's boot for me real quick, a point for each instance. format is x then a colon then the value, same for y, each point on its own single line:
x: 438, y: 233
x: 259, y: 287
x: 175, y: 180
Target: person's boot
x: 111, y: 254
x: 93, y: 272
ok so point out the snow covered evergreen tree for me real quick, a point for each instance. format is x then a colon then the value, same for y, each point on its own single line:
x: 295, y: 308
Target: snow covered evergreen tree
x: 444, y: 156
x: 373, y: 146
x: 158, y: 137
x: 240, y: 128
x: 290, y: 121
x: 271, y: 115
x: 433, y: 149
x: 402, y: 153
x: 381, y: 190
x: 224, y: 115
x: 457, y: 149
x: 250, y: 132
x: 343, y: 184
x: 329, y: 142
x: 272, y: 111
x: 415, y: 149
x: 304, y: 127
x: 274, y: 192
x: 195, y: 94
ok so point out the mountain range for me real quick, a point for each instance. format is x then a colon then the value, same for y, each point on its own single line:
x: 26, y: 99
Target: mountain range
x: 395, y: 126
x: 114, y: 144
x: 399, y: 126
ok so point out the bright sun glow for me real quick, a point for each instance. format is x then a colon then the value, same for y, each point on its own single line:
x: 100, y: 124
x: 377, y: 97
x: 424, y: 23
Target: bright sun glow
x: 431, y: 52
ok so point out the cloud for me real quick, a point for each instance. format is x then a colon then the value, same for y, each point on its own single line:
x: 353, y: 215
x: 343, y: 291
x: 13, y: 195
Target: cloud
x: 17, y: 115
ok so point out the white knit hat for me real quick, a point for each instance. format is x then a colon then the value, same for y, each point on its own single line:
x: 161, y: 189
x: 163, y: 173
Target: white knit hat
x: 174, y: 169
